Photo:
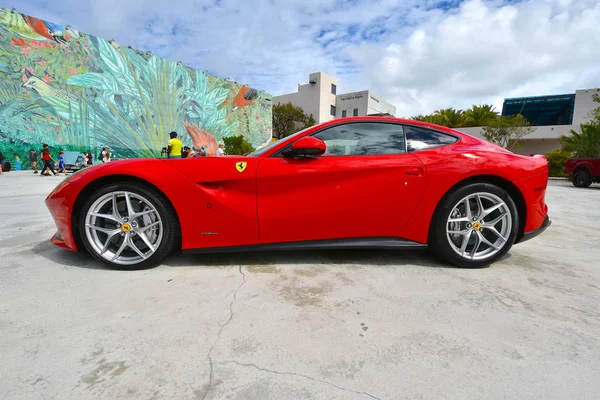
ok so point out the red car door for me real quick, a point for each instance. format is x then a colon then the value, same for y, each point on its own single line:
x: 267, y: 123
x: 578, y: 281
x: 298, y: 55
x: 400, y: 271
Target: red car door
x: 366, y: 185
x: 222, y: 203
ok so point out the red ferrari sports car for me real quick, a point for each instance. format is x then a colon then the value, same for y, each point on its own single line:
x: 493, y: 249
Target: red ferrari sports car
x: 370, y: 182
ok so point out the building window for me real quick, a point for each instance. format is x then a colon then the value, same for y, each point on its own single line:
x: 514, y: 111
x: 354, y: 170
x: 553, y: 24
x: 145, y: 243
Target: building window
x: 364, y: 139
x: 332, y: 111
x: 333, y: 89
x: 343, y: 113
x: 355, y: 112
x: 543, y: 110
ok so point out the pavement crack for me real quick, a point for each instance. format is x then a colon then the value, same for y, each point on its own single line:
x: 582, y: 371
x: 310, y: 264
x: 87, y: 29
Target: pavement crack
x: 300, y: 375
x: 210, y: 361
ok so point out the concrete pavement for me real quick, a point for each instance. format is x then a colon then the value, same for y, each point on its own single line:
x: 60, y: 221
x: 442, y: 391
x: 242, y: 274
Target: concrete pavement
x: 299, y: 325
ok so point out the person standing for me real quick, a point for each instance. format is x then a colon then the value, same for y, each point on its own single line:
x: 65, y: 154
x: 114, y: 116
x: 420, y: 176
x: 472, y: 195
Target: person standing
x: 47, y: 159
x: 221, y: 150
x: 105, y: 155
x: 33, y: 160
x: 174, y: 146
x: 61, y: 163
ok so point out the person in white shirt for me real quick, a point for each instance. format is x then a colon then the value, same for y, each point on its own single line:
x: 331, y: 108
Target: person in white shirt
x: 220, y: 150
x: 105, y: 154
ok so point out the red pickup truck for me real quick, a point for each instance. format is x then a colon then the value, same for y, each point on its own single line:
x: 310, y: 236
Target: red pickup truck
x: 583, y: 171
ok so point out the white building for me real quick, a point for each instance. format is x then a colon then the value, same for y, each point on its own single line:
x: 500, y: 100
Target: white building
x: 552, y: 116
x: 319, y: 97
x: 361, y: 103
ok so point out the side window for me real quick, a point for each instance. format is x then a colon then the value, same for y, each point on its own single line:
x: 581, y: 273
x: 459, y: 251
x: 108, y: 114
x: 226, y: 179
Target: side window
x: 420, y: 138
x: 363, y: 139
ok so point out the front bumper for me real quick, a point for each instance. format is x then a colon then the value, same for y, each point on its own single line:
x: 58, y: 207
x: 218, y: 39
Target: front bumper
x: 60, y: 204
x: 58, y: 241
x: 531, y: 234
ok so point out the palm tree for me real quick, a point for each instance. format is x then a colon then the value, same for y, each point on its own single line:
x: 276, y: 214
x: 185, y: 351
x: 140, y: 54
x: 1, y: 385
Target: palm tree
x: 585, y: 144
x: 480, y: 115
x: 432, y: 119
x: 451, y: 118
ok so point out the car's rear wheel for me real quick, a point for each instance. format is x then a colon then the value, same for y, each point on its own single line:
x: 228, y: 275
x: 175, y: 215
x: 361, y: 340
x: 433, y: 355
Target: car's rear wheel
x: 582, y: 178
x: 128, y: 226
x: 474, y: 225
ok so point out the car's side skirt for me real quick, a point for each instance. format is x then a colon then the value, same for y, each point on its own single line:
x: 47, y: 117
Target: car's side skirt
x: 330, y: 244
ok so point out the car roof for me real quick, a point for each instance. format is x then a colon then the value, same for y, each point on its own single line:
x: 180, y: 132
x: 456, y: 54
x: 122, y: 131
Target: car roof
x: 390, y: 119
x: 369, y: 118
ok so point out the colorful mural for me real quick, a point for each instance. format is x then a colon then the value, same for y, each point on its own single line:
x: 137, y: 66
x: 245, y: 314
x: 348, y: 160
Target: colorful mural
x: 79, y: 92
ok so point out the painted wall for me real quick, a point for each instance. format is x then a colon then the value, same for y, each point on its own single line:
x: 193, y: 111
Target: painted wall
x: 75, y: 91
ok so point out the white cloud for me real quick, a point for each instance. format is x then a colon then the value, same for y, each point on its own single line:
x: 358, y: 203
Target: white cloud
x: 483, y: 53
x: 411, y: 53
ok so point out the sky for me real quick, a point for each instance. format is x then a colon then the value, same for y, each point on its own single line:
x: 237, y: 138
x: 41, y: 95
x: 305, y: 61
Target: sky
x: 420, y: 55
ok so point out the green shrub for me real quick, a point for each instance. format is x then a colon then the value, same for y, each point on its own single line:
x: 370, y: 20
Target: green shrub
x: 237, y: 145
x: 556, y: 161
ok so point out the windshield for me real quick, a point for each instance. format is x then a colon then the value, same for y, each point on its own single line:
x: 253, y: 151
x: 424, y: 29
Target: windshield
x: 263, y: 150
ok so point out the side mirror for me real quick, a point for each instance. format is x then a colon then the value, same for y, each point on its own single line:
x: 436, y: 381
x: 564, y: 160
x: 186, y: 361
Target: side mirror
x: 307, y: 146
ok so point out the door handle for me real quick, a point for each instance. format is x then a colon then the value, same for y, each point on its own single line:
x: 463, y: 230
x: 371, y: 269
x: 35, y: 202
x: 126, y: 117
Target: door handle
x: 414, y: 171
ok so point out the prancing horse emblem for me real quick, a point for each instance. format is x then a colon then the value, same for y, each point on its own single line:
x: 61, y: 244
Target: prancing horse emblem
x: 241, y: 166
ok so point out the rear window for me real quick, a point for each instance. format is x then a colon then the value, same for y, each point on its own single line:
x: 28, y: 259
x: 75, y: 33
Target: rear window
x: 421, y: 138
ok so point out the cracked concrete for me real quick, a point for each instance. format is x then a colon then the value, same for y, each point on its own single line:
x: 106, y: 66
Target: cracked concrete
x: 210, y: 378
x: 331, y: 325
x: 300, y: 375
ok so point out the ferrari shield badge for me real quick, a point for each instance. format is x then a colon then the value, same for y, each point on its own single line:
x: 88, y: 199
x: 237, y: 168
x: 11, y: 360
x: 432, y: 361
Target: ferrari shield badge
x: 241, y: 166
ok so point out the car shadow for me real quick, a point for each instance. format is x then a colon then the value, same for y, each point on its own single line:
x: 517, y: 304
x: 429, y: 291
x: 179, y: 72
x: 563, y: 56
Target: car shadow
x: 594, y: 186
x: 66, y: 257
x: 311, y: 257
x: 399, y: 258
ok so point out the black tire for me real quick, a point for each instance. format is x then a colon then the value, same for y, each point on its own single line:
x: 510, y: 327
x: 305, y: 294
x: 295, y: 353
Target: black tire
x: 171, y: 230
x: 438, y: 239
x: 582, y: 178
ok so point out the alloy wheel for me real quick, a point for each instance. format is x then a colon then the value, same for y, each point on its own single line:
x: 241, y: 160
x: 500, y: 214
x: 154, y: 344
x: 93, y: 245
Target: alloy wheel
x: 479, y: 226
x: 123, y: 227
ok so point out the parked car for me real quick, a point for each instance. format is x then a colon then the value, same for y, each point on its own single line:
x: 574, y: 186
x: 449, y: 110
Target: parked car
x: 583, y: 171
x: 74, y: 160
x: 387, y: 183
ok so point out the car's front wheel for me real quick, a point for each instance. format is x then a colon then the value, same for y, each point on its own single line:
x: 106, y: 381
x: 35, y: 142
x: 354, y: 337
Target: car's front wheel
x: 582, y: 178
x: 129, y: 226
x: 474, y: 225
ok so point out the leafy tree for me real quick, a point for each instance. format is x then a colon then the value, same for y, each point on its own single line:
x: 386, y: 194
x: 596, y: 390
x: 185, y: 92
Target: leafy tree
x: 237, y: 145
x: 451, y: 118
x: 480, y: 115
x: 506, y: 131
x: 556, y: 161
x: 596, y: 112
x: 432, y: 119
x: 585, y: 144
x: 288, y: 119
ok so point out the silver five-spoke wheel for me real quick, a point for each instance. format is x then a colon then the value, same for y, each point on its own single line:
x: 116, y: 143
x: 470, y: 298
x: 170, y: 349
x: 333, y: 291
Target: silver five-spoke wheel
x: 123, y: 227
x: 479, y: 226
